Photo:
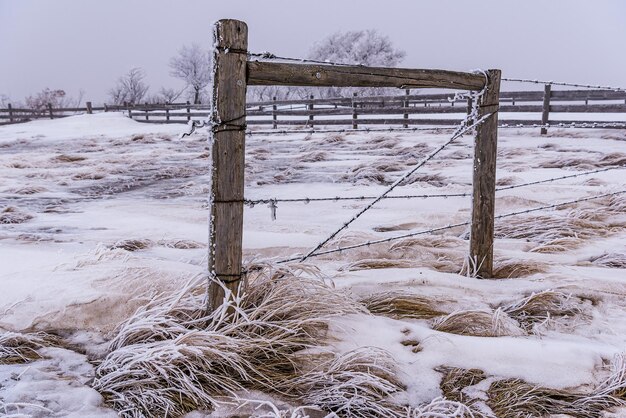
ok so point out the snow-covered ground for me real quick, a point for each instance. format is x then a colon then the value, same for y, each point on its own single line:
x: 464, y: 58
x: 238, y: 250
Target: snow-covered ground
x: 100, y: 214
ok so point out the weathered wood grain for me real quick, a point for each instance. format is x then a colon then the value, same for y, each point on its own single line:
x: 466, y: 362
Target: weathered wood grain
x: 484, y: 179
x: 228, y: 155
x: 283, y: 74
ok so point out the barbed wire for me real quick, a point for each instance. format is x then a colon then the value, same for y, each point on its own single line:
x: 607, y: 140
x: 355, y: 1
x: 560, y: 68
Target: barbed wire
x: 571, y: 125
x: 562, y: 83
x: 463, y: 128
x: 270, y: 56
x: 446, y: 227
x: 253, y: 202
x: 348, y: 130
x: 566, y: 125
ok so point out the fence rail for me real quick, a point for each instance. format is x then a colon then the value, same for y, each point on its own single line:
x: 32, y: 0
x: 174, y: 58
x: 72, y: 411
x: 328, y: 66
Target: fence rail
x: 408, y: 109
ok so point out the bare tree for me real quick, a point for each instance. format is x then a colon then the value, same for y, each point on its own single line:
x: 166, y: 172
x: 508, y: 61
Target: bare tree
x: 362, y: 47
x: 130, y: 87
x: 192, y: 65
x: 56, y: 98
x: 165, y: 95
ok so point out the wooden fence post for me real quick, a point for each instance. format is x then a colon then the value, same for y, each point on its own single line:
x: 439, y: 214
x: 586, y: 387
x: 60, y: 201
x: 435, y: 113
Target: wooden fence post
x: 484, y: 179
x: 274, y: 116
x: 10, y: 112
x: 50, y: 110
x: 106, y: 108
x: 188, y: 111
x: 406, y: 104
x: 146, y: 105
x: 545, y: 114
x: 228, y: 117
x: 167, y: 113
x: 310, y: 107
x: 89, y: 108
x: 355, y: 125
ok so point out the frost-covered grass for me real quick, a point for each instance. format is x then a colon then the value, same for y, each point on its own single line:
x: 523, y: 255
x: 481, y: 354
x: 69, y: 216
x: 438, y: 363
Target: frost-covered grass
x: 104, y: 223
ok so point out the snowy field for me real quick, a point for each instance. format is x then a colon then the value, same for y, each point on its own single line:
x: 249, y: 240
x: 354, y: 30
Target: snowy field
x: 100, y: 214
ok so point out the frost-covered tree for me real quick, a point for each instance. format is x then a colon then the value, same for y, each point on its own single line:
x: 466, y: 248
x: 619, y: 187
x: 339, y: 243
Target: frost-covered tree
x: 57, y: 98
x: 192, y: 65
x: 130, y: 87
x: 362, y: 47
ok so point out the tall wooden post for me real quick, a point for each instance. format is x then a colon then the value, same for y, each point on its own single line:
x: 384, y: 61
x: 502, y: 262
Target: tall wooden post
x: 274, y: 117
x: 405, y: 103
x: 545, y: 114
x: 310, y: 107
x: 484, y: 179
x: 10, y: 112
x: 89, y: 108
x: 188, y: 111
x: 355, y: 125
x: 228, y: 121
x: 50, y: 110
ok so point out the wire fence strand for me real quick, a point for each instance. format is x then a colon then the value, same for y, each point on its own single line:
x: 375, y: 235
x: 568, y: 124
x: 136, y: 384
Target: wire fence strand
x: 446, y: 227
x: 253, y: 202
x: 460, y: 131
x: 562, y: 83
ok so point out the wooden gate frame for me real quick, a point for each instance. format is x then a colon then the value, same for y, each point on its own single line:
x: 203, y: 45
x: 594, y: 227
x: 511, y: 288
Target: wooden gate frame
x: 232, y: 73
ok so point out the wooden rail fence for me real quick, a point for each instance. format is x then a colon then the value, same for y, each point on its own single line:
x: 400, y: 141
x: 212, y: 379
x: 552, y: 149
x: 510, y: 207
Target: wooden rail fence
x: 401, y: 110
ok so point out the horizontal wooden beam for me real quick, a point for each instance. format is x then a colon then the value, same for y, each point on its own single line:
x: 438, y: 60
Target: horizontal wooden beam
x: 282, y: 74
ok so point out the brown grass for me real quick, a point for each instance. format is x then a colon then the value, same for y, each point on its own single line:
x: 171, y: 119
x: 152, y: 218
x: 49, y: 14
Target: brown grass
x: 514, y: 398
x: 611, y: 260
x: 401, y: 305
x: 538, y: 308
x: 65, y: 158
x: 454, y: 380
x: 370, y: 264
x: 16, y: 348
x: 513, y: 269
x: 478, y: 323
x: 133, y: 244
x: 13, y: 215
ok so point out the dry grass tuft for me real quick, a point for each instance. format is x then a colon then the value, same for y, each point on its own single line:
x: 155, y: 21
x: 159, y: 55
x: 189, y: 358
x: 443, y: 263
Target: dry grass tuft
x: 478, y: 323
x: 174, y: 356
x: 370, y: 264
x: 313, y: 157
x: 88, y: 175
x: 182, y: 244
x: 454, y: 380
x: 132, y: 244
x: 507, y: 181
x: 431, y: 241
x: 16, y: 348
x: 514, y: 398
x: 558, y: 245
x: 401, y: 305
x: 356, y: 384
x: 513, y: 269
x: 65, y: 158
x: 436, y: 180
x: 12, y: 215
x: 442, y: 408
x: 28, y: 190
x: 611, y: 260
x: 539, y: 308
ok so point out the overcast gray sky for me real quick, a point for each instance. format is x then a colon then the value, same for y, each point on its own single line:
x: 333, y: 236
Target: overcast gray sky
x: 73, y: 44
